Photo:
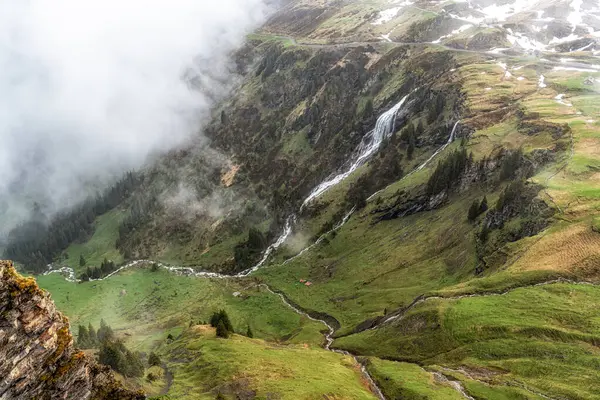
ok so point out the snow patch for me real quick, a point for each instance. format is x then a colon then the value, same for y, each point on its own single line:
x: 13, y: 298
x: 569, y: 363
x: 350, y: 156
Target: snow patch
x: 386, y: 15
x: 454, y: 32
x: 559, y: 99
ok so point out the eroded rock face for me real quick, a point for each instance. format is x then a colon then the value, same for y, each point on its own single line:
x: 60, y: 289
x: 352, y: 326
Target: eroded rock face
x: 37, y: 357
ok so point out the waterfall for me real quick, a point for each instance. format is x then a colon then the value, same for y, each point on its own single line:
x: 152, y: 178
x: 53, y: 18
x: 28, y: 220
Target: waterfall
x: 438, y: 151
x: 423, y: 165
x: 384, y: 128
x: 287, y: 230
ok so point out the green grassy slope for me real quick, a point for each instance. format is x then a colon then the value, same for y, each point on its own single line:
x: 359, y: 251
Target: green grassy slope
x: 100, y: 246
x: 532, y: 341
x: 542, y: 337
x: 144, y: 303
x: 204, y: 365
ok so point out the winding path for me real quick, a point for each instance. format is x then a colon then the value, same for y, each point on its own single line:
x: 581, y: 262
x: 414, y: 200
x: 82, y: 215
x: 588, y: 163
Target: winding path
x: 490, y: 53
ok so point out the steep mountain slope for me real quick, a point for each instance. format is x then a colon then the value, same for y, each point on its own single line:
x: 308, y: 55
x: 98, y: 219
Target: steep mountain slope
x: 36, y: 349
x: 427, y: 176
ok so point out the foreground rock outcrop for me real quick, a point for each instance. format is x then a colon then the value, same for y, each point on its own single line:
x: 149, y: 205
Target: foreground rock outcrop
x: 37, y: 357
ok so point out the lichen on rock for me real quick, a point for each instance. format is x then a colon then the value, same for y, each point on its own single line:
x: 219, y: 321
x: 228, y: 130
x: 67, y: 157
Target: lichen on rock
x: 37, y: 357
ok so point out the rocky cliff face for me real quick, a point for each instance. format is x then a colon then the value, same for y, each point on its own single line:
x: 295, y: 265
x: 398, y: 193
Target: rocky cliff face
x: 37, y: 357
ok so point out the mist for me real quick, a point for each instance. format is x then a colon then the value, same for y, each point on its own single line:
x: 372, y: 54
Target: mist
x: 90, y: 89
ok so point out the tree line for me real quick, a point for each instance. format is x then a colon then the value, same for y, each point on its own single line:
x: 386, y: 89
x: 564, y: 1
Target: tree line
x: 38, y: 241
x: 112, y: 351
x: 107, y: 267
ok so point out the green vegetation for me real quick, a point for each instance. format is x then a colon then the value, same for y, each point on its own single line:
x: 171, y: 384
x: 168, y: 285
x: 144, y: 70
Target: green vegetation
x: 100, y: 246
x: 204, y: 366
x: 220, y: 321
x: 40, y: 240
x: 146, y: 304
x: 538, y: 337
x: 512, y: 203
x: 400, y: 380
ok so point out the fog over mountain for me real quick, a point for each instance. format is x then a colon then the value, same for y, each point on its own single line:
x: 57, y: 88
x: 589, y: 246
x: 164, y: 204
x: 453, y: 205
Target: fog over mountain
x: 90, y: 89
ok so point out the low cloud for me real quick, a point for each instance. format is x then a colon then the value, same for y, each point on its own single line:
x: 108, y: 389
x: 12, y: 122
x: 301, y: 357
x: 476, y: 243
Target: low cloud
x: 90, y: 88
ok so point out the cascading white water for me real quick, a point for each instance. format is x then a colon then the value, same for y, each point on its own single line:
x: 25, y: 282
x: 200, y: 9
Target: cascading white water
x: 384, y: 128
x: 438, y: 151
x: 424, y: 164
x: 323, y: 236
x: 287, y: 230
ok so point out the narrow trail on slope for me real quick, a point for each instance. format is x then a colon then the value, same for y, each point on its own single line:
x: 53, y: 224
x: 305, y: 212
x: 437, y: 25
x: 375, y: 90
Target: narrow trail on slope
x: 490, y: 53
x: 399, y: 314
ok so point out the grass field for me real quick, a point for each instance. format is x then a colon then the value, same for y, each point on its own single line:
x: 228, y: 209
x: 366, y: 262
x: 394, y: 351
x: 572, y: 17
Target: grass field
x: 204, y: 365
x: 144, y: 304
x: 144, y: 307
x: 540, y: 337
x: 532, y: 340
x: 101, y: 245
x: 400, y: 380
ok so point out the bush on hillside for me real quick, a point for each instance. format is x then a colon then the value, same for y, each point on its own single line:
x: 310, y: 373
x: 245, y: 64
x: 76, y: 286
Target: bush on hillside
x: 477, y: 208
x: 222, y: 332
x: 153, y: 360
x: 221, y: 316
x: 246, y: 253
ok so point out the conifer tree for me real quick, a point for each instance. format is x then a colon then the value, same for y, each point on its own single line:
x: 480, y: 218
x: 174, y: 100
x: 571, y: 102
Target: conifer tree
x: 249, y: 332
x: 222, y: 332
x: 83, y: 338
x: 474, y: 210
x: 92, y: 335
x: 483, y: 207
x: 153, y: 359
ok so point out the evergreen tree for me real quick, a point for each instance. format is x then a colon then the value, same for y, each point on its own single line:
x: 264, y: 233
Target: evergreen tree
x: 221, y: 316
x: 83, y: 337
x: 81, y: 261
x: 222, y: 332
x: 474, y: 211
x: 112, y: 355
x: 484, y: 233
x: 153, y: 359
x: 483, y: 207
x: 256, y: 239
x: 92, y: 335
x: 410, y: 150
x: 133, y: 365
x: 448, y: 172
x: 105, y: 332
x: 249, y: 332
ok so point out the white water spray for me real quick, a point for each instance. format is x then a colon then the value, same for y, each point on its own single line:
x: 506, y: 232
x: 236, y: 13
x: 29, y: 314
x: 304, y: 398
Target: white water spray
x: 424, y: 164
x: 384, y: 128
x: 323, y: 236
x: 287, y: 230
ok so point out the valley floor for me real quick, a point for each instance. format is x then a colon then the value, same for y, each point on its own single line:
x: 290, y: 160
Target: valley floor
x: 428, y: 307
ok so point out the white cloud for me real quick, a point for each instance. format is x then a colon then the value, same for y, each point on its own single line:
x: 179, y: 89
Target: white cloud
x: 90, y: 88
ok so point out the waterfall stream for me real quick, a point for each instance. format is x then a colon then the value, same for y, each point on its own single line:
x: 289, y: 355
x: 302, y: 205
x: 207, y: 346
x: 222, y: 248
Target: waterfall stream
x: 384, y: 128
